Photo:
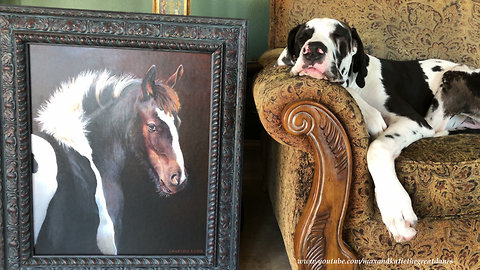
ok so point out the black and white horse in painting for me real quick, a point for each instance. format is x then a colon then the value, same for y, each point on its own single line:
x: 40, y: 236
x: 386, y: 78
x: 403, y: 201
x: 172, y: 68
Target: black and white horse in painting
x: 89, y: 128
x: 401, y: 102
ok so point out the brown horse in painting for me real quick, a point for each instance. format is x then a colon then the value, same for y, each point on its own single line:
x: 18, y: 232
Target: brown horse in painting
x: 90, y: 127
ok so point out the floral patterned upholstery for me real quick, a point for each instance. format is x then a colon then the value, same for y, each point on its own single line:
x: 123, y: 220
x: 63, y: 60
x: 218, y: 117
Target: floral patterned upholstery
x: 442, y: 175
x: 398, y: 29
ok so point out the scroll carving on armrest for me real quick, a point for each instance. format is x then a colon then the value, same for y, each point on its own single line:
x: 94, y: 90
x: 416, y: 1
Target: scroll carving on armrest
x: 318, y: 234
x: 274, y: 88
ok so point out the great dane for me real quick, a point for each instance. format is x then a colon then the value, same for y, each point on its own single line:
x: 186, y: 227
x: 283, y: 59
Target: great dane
x: 401, y: 102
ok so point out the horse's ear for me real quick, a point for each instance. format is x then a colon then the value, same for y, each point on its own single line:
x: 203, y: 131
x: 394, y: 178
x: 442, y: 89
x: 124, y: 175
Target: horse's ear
x: 148, y: 83
x: 172, y: 81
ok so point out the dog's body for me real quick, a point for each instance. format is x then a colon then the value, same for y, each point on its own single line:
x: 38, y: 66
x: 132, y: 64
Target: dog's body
x: 401, y: 102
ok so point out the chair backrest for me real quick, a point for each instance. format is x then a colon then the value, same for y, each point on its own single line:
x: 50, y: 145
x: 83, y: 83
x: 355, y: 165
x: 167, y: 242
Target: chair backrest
x: 393, y: 29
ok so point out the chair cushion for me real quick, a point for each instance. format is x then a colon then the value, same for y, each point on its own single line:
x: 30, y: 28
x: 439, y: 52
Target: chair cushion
x: 442, y: 175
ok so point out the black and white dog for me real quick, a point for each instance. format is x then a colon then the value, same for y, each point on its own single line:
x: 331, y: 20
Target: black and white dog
x: 401, y: 102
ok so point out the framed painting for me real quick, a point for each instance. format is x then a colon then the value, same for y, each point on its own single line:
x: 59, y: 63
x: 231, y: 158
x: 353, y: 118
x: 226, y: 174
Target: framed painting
x: 176, y: 7
x: 122, y: 139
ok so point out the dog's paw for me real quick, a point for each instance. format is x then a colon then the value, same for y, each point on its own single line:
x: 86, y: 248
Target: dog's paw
x: 397, y: 213
x: 375, y: 122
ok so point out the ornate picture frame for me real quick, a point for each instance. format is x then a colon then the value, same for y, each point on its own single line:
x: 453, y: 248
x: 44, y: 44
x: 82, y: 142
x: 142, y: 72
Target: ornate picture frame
x: 203, y: 59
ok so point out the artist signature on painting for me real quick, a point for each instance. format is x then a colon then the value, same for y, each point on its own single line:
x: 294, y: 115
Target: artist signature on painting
x: 186, y: 251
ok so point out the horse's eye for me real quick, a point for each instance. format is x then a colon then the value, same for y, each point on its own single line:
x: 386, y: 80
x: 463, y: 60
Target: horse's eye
x: 151, y: 127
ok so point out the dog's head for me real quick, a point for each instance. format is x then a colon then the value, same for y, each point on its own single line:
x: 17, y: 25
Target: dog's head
x: 326, y: 49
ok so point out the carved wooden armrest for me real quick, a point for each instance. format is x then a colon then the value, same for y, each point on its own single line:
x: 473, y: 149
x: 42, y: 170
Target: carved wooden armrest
x: 318, y: 234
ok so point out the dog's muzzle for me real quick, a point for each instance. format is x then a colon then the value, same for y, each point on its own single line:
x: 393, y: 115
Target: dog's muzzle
x: 315, y: 62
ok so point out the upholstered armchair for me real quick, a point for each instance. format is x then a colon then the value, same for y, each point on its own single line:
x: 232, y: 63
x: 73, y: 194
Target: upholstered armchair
x: 319, y: 184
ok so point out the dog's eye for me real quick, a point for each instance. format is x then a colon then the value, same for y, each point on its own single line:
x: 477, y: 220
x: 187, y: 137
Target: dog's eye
x: 303, y: 38
x: 305, y: 35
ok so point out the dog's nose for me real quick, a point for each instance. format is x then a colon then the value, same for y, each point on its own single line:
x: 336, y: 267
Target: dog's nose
x: 314, y: 50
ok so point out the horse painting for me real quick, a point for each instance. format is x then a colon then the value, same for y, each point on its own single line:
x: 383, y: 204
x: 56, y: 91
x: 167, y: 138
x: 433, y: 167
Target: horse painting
x: 89, y: 128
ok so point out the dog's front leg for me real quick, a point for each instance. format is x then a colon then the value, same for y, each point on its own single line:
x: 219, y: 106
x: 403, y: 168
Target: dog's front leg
x: 393, y: 201
x: 373, y: 118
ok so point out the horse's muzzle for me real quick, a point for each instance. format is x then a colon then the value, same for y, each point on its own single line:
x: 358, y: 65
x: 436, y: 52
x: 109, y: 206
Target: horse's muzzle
x: 173, y: 181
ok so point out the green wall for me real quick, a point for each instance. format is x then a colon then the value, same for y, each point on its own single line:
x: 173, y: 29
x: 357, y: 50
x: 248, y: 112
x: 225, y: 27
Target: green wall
x: 256, y: 11
x: 113, y: 5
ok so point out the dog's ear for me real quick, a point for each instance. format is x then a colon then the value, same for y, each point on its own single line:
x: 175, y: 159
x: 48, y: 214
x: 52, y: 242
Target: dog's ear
x: 360, y: 60
x: 291, y: 40
x: 288, y: 55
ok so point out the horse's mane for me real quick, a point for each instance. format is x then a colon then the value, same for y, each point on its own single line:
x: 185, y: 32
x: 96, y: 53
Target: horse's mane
x: 64, y: 115
x: 110, y: 86
x: 167, y: 100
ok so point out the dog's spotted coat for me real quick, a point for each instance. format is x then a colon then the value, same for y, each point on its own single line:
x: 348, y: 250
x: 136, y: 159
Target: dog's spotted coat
x: 401, y: 102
